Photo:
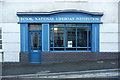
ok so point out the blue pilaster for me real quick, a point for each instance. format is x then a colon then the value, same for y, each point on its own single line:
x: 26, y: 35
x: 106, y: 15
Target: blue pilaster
x: 95, y: 37
x: 45, y: 37
x: 24, y: 37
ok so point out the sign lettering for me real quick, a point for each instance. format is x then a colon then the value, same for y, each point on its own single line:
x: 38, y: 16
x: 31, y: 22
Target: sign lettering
x: 58, y: 19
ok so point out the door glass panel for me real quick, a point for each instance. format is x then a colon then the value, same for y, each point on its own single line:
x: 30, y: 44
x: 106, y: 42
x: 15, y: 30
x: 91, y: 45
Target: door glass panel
x: 35, y: 41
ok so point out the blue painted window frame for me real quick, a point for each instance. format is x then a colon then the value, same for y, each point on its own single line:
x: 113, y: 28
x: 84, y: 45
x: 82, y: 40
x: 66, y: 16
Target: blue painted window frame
x: 65, y: 27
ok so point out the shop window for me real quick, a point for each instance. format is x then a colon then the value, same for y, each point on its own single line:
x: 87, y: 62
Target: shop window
x: 70, y: 37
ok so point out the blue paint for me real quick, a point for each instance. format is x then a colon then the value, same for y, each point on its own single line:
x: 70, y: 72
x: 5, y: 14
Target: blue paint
x: 76, y: 38
x: 45, y: 37
x: 60, y: 18
x: 24, y: 37
x: 95, y: 37
x: 65, y: 38
x: 35, y: 54
x: 98, y: 37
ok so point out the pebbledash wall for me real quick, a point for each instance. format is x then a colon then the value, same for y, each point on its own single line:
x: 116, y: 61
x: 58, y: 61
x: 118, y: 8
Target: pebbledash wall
x: 16, y: 16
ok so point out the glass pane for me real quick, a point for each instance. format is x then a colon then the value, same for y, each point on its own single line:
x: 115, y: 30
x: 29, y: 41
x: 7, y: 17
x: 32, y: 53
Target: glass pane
x: 55, y: 25
x: 71, y: 37
x: 0, y: 41
x: 58, y: 37
x: 0, y: 31
x: 51, y: 29
x: 35, y: 27
x: 82, y: 49
x: 70, y: 49
x: 58, y: 49
x: 59, y: 25
x: 89, y: 48
x: 69, y: 25
x: 51, y: 37
x: 0, y: 46
x: 0, y: 36
x: 89, y: 42
x: 51, y: 49
x: 36, y: 41
x: 82, y: 25
x: 81, y: 37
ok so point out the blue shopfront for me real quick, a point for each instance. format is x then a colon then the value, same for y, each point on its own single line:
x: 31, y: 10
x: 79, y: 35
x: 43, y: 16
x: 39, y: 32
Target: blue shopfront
x: 60, y: 31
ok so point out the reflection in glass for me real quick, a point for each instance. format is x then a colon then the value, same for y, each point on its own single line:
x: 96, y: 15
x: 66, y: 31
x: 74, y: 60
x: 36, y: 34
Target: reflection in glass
x: 35, y: 27
x: 89, y: 39
x: 51, y: 37
x: 58, y: 37
x: 35, y: 41
x: 81, y: 37
x: 58, y: 49
x: 71, y: 37
x: 1, y: 46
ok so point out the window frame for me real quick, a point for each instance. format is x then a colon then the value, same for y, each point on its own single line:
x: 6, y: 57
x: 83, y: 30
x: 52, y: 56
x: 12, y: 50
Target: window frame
x: 88, y: 48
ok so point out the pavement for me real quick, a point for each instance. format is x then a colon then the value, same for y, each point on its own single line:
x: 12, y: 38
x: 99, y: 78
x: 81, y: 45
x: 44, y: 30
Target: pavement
x: 31, y: 70
x: 104, y: 73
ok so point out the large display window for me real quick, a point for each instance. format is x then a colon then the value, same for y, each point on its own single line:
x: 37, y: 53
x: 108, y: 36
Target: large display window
x: 70, y: 37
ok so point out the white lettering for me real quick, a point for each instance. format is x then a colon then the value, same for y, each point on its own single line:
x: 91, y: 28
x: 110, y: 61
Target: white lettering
x: 26, y: 19
x: 58, y: 19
